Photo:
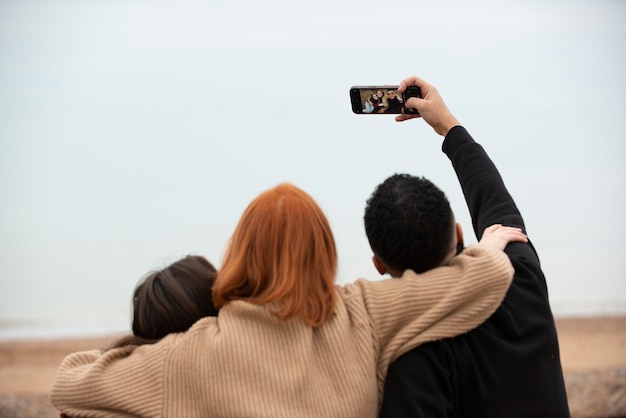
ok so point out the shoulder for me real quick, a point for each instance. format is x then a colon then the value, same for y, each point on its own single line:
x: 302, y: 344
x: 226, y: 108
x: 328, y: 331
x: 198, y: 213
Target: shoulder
x: 478, y: 256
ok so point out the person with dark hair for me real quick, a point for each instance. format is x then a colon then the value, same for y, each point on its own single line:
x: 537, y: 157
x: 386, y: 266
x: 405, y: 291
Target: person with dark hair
x: 171, y: 300
x: 509, y: 366
x: 410, y: 225
x: 288, y: 341
x: 393, y: 102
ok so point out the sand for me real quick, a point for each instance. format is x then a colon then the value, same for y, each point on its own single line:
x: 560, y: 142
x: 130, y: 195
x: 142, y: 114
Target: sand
x: 591, y: 348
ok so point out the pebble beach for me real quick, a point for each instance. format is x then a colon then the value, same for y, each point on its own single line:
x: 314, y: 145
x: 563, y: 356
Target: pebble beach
x: 593, y: 354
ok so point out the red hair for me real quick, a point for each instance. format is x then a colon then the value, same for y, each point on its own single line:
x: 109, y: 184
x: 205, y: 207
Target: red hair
x: 282, y: 252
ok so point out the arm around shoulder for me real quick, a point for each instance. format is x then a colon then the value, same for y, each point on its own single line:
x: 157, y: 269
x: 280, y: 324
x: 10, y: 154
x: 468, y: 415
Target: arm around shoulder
x: 484, y: 276
x: 125, y: 380
x: 489, y: 274
x: 440, y: 303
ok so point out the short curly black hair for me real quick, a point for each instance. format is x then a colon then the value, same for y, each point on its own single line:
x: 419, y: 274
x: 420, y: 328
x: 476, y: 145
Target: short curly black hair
x: 409, y: 223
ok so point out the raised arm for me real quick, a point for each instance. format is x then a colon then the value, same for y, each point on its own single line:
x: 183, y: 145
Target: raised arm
x: 487, y: 198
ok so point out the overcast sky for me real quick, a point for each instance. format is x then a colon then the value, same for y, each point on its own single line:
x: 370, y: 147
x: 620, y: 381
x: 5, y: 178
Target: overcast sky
x: 135, y: 132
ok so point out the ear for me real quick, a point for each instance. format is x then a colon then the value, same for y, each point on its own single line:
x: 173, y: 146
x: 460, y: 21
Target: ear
x: 380, y: 266
x: 459, y: 234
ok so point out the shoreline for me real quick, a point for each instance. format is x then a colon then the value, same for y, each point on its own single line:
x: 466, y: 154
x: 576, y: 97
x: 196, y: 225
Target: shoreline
x: 593, y: 355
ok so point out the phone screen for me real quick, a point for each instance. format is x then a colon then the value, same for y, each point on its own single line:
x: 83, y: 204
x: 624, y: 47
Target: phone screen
x: 372, y: 100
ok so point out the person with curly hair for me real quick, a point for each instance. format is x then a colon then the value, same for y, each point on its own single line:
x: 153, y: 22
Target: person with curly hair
x: 509, y: 366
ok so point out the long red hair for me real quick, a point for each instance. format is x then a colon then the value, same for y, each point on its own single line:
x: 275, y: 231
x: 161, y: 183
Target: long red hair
x: 282, y: 252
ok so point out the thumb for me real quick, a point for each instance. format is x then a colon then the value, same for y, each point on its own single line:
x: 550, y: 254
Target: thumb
x: 403, y: 117
x: 414, y: 102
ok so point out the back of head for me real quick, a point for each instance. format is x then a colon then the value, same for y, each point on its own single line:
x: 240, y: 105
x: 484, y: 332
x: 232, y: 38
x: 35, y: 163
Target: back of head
x: 409, y: 223
x: 282, y: 252
x: 171, y: 300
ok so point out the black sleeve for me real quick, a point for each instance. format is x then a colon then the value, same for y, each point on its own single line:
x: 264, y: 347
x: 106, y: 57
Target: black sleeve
x: 418, y: 384
x: 487, y: 198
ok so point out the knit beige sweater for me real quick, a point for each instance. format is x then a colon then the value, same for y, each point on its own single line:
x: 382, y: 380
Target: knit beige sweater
x: 246, y: 364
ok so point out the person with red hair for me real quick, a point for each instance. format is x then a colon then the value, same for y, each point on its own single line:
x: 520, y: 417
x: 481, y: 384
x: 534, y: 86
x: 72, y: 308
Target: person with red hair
x: 288, y: 341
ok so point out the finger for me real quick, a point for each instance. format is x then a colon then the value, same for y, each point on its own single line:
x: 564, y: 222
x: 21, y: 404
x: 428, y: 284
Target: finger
x: 403, y: 117
x: 414, y: 102
x: 516, y: 231
x: 493, y: 227
x: 406, y: 83
x: 413, y: 81
x: 508, y: 229
x: 515, y: 236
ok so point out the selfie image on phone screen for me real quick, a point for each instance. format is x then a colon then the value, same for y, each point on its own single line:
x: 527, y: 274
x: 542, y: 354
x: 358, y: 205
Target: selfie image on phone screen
x: 378, y: 100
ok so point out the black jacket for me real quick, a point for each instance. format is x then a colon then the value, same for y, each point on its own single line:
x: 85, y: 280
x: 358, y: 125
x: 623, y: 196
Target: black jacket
x: 510, y: 365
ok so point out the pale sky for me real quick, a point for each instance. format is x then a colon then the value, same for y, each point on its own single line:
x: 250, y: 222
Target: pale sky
x: 135, y: 132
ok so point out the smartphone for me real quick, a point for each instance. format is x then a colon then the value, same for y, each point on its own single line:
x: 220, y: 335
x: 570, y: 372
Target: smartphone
x: 370, y: 100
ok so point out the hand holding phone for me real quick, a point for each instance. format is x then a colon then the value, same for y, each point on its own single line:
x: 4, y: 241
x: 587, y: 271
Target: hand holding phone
x: 382, y: 99
x: 433, y: 109
x: 411, y: 91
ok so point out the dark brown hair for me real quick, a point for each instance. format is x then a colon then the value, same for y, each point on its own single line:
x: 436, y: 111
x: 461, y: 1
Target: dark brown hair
x: 171, y: 300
